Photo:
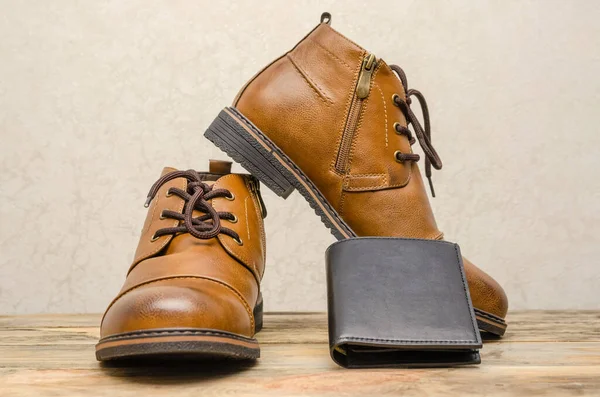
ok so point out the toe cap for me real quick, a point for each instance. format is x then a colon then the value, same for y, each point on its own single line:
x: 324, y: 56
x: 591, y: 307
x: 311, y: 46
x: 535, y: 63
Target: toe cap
x: 179, y: 303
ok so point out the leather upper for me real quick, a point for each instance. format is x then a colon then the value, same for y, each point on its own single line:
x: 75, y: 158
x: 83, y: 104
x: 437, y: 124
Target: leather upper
x: 182, y: 281
x: 314, y: 86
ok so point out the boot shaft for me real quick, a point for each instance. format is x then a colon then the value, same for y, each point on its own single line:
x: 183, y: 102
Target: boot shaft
x: 341, y: 127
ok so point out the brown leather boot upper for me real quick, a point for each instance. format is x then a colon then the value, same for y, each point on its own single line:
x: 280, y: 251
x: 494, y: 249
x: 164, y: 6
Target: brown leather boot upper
x: 345, y: 126
x: 178, y: 280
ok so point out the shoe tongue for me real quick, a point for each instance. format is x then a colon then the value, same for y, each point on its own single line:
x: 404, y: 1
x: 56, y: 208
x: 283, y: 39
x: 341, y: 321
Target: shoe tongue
x: 219, y: 167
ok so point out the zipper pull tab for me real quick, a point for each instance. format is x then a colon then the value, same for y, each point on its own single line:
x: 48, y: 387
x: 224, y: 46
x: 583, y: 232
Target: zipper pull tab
x: 364, y: 79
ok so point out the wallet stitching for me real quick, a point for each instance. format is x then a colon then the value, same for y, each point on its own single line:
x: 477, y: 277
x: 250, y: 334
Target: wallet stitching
x: 420, y: 341
x: 386, y: 238
x: 467, y: 297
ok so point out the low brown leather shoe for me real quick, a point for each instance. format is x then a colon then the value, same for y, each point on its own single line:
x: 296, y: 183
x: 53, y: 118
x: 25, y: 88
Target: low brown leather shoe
x: 331, y: 120
x: 193, y: 288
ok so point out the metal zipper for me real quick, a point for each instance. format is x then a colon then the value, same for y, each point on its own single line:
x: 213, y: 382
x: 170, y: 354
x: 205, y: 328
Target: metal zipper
x: 362, y: 90
x: 257, y: 197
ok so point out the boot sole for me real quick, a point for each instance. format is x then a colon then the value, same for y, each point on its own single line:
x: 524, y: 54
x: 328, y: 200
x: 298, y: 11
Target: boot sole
x: 181, y: 343
x: 234, y: 134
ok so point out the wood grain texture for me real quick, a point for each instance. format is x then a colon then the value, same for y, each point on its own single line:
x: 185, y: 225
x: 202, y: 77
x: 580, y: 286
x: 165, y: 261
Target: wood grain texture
x: 543, y: 353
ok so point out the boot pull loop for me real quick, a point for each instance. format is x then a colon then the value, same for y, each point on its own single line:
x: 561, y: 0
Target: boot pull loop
x: 326, y: 18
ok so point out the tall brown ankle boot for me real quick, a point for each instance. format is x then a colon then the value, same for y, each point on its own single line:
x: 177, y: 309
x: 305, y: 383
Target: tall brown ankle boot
x: 331, y: 120
x: 193, y: 288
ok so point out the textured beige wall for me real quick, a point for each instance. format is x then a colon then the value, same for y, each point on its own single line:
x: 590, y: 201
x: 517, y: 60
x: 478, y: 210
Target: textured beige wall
x: 97, y: 96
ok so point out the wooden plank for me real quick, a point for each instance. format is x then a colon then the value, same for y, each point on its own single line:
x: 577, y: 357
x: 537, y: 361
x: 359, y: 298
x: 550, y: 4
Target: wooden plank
x: 50, y: 320
x: 554, y: 353
x: 228, y: 380
x: 550, y: 326
x: 524, y: 326
x: 278, y: 329
x: 297, y: 356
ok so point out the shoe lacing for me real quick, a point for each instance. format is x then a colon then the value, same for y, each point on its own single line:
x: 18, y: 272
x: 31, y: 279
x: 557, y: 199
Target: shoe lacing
x: 196, y: 198
x: 423, y: 133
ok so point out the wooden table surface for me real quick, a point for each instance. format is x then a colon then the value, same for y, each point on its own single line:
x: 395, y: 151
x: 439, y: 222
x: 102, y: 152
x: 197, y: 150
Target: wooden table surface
x: 543, y: 353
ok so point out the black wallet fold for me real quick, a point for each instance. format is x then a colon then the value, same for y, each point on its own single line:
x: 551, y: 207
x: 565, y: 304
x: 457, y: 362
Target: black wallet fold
x: 399, y: 302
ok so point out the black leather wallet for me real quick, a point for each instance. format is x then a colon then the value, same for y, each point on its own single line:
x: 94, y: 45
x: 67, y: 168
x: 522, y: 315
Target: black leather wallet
x: 399, y: 302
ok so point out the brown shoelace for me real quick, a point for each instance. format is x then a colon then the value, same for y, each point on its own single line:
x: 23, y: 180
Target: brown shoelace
x: 423, y: 133
x: 196, y: 198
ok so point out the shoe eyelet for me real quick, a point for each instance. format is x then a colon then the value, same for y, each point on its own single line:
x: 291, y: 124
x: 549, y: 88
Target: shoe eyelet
x: 162, y: 216
x: 168, y: 194
x: 154, y: 238
x: 397, y: 127
x: 396, y: 99
x: 234, y: 220
x: 238, y: 241
x: 398, y: 156
x: 231, y: 197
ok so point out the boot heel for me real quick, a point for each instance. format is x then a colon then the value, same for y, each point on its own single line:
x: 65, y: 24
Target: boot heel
x: 233, y: 133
